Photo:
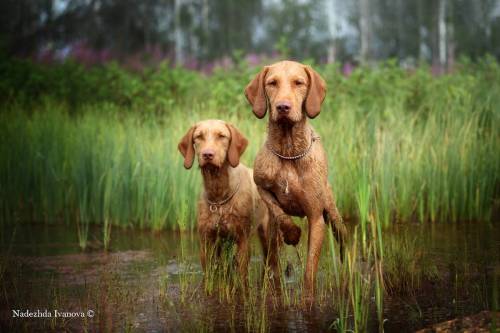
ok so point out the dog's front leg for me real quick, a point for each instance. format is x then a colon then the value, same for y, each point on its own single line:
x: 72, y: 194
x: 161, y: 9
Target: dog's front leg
x: 243, y: 257
x: 275, y: 212
x: 291, y: 232
x: 315, y: 241
x: 203, y: 253
x: 271, y: 202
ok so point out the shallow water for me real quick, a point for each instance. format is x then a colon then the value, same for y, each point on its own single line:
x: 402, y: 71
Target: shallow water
x: 153, y: 281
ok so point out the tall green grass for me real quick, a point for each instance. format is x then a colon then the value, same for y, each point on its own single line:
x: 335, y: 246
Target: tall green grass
x: 404, y: 146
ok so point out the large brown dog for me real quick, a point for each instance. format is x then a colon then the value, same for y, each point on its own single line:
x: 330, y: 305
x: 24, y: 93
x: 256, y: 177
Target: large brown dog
x: 291, y: 169
x: 230, y: 200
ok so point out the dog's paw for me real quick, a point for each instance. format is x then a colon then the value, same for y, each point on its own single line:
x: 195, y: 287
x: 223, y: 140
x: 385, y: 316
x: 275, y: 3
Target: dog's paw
x: 291, y: 232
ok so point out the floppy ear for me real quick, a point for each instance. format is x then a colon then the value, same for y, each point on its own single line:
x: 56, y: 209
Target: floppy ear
x: 315, y: 93
x: 237, y: 146
x: 256, y: 94
x: 186, y: 148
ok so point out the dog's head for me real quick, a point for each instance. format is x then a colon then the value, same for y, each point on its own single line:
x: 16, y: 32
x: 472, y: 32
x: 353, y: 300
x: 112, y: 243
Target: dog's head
x: 288, y: 89
x: 215, y: 143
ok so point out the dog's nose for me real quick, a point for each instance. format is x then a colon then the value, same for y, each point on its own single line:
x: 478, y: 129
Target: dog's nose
x: 283, y: 107
x: 208, y: 154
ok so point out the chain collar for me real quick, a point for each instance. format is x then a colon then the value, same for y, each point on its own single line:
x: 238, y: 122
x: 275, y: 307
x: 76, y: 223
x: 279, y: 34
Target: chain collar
x: 296, y: 157
x: 214, y: 206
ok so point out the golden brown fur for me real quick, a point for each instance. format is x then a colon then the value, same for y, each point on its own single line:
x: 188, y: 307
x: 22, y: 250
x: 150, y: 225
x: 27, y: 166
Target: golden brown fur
x: 292, y: 92
x: 219, y: 146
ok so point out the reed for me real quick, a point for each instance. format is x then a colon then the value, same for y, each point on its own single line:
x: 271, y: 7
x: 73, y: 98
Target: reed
x: 406, y: 146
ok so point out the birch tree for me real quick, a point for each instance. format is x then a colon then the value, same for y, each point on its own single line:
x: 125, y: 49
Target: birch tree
x: 332, y: 11
x: 179, y: 56
x: 442, y: 33
x: 364, y: 27
x: 422, y: 47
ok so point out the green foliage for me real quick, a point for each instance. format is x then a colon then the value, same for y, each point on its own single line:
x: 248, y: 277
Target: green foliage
x: 99, y: 145
x: 153, y: 90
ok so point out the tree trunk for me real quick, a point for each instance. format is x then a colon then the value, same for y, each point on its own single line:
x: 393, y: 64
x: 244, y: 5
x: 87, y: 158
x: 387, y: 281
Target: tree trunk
x: 400, y: 32
x: 332, y: 27
x: 442, y: 33
x: 179, y: 55
x: 364, y: 27
x: 421, y: 31
x: 450, y: 43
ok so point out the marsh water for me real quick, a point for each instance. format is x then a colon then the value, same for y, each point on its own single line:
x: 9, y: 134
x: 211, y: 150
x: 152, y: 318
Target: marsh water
x: 152, y: 281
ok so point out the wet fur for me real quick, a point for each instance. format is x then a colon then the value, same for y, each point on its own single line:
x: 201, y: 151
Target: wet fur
x: 235, y: 219
x: 309, y: 193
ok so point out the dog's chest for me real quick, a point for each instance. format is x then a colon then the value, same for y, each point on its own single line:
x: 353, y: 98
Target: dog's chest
x: 290, y: 193
x: 229, y: 220
x: 288, y: 187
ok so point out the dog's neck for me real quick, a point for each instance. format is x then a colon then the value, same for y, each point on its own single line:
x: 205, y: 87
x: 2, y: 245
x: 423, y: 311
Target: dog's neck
x: 289, y: 139
x: 220, y: 182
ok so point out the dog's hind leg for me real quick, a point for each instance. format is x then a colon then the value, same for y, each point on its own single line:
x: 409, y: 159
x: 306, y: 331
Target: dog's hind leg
x: 332, y: 217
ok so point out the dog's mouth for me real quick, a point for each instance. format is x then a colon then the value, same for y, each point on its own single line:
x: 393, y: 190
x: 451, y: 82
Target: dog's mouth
x: 285, y: 120
x: 283, y: 116
x: 210, y: 167
x: 212, y: 163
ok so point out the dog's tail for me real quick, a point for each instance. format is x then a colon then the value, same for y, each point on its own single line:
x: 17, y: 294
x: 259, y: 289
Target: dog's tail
x: 333, y: 218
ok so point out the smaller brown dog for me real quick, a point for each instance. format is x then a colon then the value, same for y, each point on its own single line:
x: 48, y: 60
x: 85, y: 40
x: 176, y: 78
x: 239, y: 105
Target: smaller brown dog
x: 230, y: 200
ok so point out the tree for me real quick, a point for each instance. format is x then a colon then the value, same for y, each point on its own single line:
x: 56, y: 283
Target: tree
x: 301, y: 26
x: 179, y: 52
x: 331, y: 9
x: 442, y: 36
x: 364, y: 30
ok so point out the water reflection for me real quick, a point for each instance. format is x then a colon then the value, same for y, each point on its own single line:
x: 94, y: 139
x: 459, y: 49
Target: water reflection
x: 153, y: 280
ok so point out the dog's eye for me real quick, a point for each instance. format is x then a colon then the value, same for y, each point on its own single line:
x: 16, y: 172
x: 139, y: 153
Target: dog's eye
x: 299, y: 82
x: 221, y: 136
x: 198, y: 137
x: 272, y: 83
